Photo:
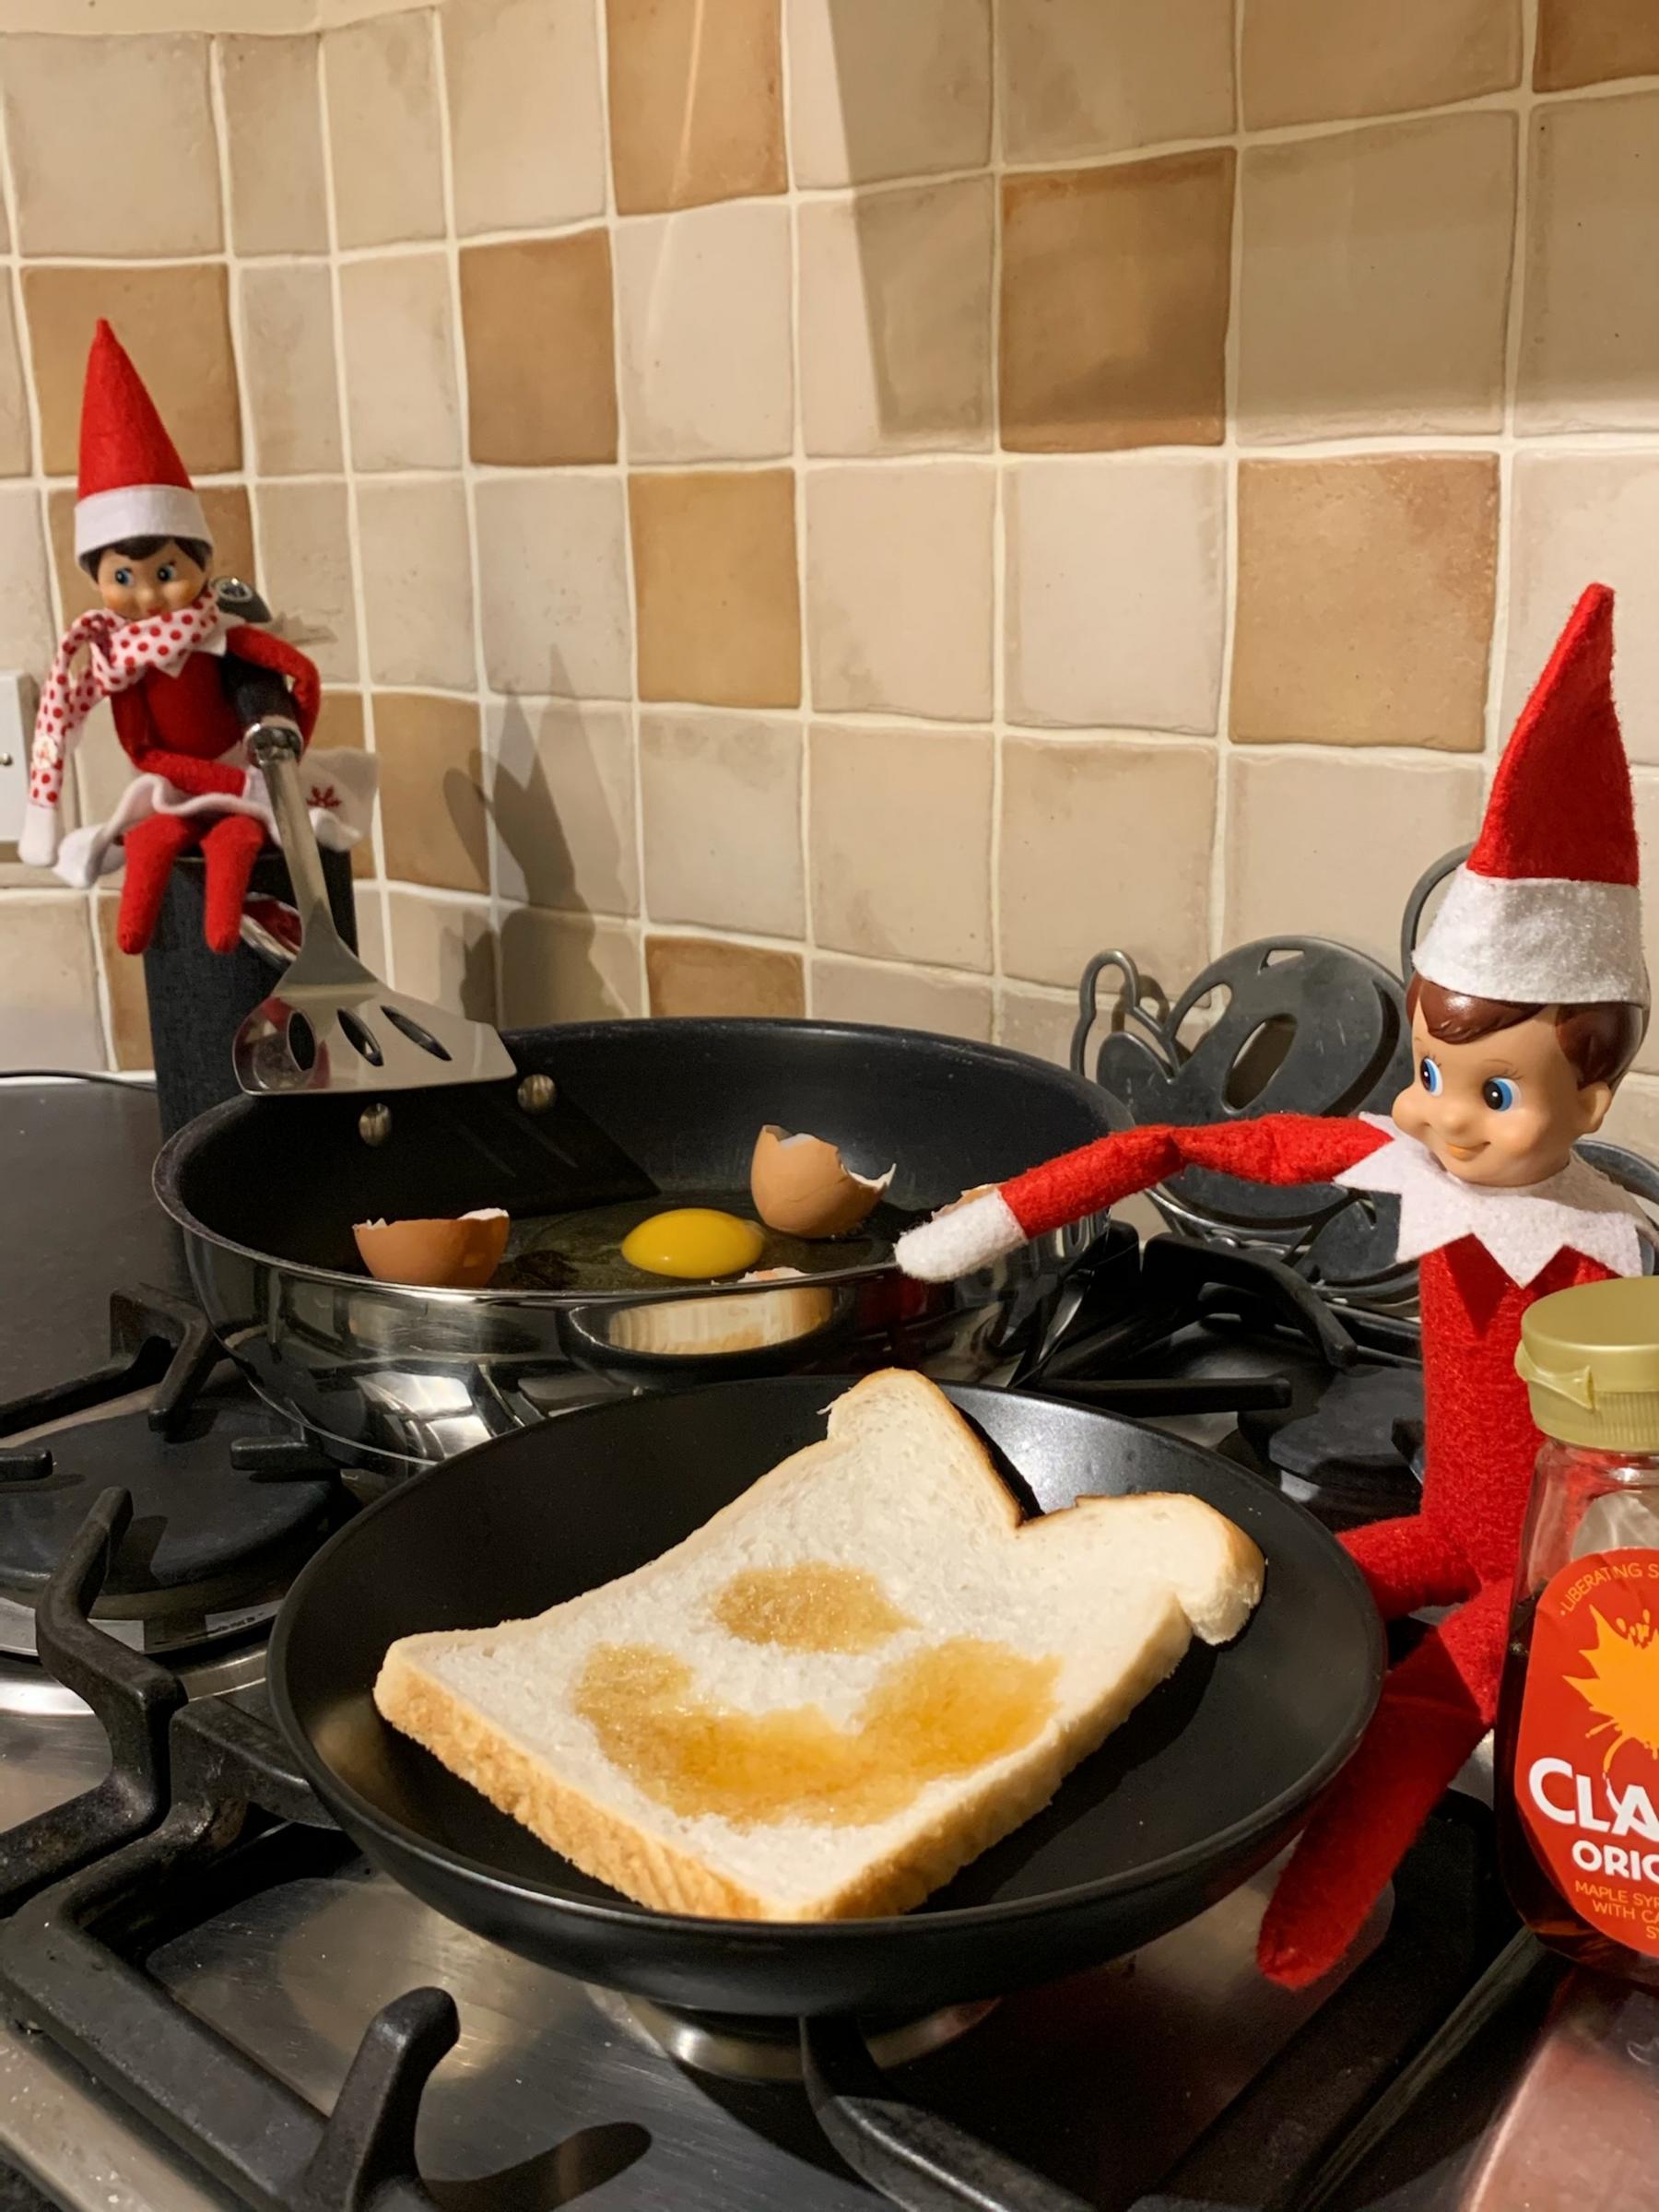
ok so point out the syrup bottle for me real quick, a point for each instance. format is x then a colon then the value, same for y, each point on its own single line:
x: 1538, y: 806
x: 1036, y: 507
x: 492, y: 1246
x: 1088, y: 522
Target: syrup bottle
x: 1578, y: 1720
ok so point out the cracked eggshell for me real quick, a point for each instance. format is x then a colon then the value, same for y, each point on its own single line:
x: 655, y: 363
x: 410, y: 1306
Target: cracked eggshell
x: 459, y: 1254
x: 802, y: 1187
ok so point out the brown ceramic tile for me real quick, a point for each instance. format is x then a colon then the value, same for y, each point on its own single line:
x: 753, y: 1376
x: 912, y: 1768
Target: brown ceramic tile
x: 444, y: 952
x: 721, y: 800
x: 566, y: 968
x: 1590, y: 332
x: 889, y: 363
x: 289, y: 370
x: 418, y: 595
x: 1365, y: 600
x: 304, y: 536
x: 696, y: 102
x: 1307, y: 61
x: 526, y: 121
x: 540, y: 355
x: 129, y: 1002
x: 1588, y: 41
x: 703, y: 975
x: 224, y: 505
x: 400, y: 363
x: 1058, y: 905
x: 883, y: 90
x: 1082, y: 77
x: 17, y: 456
x: 432, y: 768
x: 901, y: 843
x: 273, y: 145
x: 1376, y: 277
x: 383, y: 129
x: 900, y: 999
x: 561, y: 788
x: 73, y: 103
x: 48, y: 995
x: 27, y: 632
x: 1114, y: 302
x: 718, y: 601
x: 340, y: 725
x: 176, y: 326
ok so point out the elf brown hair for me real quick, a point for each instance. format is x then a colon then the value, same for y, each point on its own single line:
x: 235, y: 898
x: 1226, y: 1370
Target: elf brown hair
x: 145, y: 548
x: 1599, y: 1040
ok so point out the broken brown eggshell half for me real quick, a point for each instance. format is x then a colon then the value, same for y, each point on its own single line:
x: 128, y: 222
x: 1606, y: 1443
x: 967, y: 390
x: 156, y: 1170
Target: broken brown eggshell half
x: 802, y: 1187
x: 457, y: 1254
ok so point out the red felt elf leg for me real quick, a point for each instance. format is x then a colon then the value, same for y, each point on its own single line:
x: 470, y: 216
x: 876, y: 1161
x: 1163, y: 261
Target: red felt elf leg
x: 152, y: 847
x: 1435, y: 1708
x: 1410, y: 1562
x: 229, y: 849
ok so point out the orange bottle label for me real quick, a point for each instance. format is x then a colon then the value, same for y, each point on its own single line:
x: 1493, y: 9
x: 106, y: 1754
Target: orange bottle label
x: 1586, y: 1774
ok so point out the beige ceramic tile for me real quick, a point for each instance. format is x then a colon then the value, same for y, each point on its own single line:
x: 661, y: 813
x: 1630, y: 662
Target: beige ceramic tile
x: 1587, y: 42
x: 400, y: 363
x: 1307, y: 61
x: 48, y: 997
x: 1376, y: 277
x: 70, y: 104
x: 27, y: 633
x: 899, y: 998
x: 562, y: 795
x: 442, y: 952
x: 901, y: 843
x: 1647, y: 830
x: 129, y: 1002
x: 17, y: 445
x: 273, y: 145
x: 288, y: 368
x: 102, y: 770
x: 1589, y: 337
x: 173, y: 322
x: 1060, y: 903
x: 877, y: 90
x: 384, y: 130
x: 704, y: 308
x: 1114, y: 302
x: 715, y: 587
x: 229, y: 524
x: 696, y: 103
x: 702, y: 975
x: 896, y: 319
x: 899, y: 591
x: 418, y: 583
x: 1028, y: 1021
x: 566, y: 968
x: 1365, y: 600
x: 1329, y: 845
x: 431, y: 770
x: 540, y: 354
x: 526, y: 129
x: 1575, y: 518
x: 722, y: 801
x: 1082, y: 77
x: 305, y: 570
x: 1116, y: 593
x: 553, y: 586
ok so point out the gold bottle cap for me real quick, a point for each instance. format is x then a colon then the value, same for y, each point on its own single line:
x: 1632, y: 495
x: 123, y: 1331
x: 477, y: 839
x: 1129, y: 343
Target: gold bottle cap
x: 1590, y: 1360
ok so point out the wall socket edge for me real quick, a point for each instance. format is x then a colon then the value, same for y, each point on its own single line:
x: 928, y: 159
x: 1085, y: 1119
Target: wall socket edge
x: 17, y: 697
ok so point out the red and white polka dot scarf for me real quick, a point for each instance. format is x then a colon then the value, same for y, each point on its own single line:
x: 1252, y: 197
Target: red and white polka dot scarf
x: 119, y: 654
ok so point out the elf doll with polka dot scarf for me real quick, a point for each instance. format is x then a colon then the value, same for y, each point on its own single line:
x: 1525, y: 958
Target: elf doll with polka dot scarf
x: 156, y: 649
x: 1529, y: 1000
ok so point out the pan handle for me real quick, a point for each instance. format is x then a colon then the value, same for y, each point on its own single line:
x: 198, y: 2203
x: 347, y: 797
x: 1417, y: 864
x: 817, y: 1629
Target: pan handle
x: 913, y: 2157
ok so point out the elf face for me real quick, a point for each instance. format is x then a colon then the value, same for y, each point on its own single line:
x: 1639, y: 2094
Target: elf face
x: 160, y: 585
x: 1504, y: 1110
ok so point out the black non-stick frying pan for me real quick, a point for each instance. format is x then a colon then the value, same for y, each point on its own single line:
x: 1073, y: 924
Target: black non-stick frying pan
x: 1203, y: 1784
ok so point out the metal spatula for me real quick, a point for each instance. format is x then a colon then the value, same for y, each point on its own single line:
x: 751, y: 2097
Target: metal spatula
x: 330, y: 1025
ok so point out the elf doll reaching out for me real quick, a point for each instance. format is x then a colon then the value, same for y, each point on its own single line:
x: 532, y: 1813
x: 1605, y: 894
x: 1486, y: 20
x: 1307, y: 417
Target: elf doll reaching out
x: 158, y: 650
x: 1527, y: 1005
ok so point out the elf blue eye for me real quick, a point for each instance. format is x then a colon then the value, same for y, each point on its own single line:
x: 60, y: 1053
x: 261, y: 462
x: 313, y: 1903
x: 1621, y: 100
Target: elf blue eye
x: 124, y: 577
x: 1431, y: 1078
x: 1500, y: 1093
x: 166, y: 572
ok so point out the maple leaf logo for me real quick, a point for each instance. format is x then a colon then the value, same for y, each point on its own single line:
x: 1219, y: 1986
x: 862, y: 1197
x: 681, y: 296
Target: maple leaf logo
x: 1622, y: 1686
x: 323, y: 794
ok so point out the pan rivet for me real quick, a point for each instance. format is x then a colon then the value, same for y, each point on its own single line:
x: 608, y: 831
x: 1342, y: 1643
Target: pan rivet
x: 374, y: 1124
x: 537, y: 1093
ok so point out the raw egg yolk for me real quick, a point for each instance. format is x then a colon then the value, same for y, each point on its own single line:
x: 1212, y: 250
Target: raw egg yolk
x: 694, y: 1242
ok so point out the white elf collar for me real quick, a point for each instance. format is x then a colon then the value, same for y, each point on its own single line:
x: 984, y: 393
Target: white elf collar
x: 1577, y: 1210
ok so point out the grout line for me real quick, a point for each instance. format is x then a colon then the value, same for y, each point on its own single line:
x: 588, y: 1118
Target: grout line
x: 353, y: 536
x: 1232, y: 362
x: 808, y: 940
x: 999, y: 536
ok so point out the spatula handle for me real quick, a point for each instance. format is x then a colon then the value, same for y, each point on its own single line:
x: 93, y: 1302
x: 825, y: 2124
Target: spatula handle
x: 266, y: 713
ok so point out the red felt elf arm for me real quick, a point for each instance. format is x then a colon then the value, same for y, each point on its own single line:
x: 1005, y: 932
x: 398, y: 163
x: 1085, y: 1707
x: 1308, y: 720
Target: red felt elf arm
x: 265, y: 650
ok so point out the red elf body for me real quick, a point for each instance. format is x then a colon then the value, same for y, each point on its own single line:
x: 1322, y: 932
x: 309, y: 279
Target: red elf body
x: 1527, y: 1005
x: 157, y: 649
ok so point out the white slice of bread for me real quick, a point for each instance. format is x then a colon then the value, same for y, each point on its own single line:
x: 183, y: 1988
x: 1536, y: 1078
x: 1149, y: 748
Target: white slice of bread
x: 768, y: 1781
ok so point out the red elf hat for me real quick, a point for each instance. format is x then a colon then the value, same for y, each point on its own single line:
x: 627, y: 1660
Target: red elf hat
x: 132, y: 483
x: 1546, y: 908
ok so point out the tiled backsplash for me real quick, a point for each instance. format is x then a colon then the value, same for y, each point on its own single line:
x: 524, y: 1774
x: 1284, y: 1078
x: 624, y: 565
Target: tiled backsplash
x: 848, y: 506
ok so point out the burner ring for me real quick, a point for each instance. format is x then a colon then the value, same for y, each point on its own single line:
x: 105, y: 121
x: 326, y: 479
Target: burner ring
x: 736, y: 2048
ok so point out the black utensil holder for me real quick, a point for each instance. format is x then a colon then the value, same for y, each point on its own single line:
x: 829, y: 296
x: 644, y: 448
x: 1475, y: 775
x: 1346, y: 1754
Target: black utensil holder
x: 199, y: 999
